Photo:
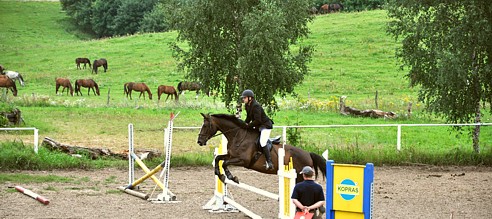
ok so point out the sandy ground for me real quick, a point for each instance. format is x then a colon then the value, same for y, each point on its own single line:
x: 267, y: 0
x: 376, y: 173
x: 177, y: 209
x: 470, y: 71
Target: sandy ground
x: 399, y: 192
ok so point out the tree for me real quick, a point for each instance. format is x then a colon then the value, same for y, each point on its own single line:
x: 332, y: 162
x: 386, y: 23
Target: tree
x: 447, y: 48
x: 232, y: 45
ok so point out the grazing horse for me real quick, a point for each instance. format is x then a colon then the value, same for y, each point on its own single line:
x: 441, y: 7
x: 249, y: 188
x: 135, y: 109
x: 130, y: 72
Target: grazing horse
x: 99, y: 62
x: 9, y: 84
x: 169, y: 90
x: 142, y: 87
x: 191, y: 86
x: 78, y: 61
x: 89, y: 83
x: 336, y: 7
x: 14, y: 76
x: 242, y: 149
x: 65, y: 83
x: 324, y: 9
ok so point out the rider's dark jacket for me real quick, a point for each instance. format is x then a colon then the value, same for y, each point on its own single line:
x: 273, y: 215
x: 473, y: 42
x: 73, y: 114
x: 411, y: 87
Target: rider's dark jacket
x: 256, y: 117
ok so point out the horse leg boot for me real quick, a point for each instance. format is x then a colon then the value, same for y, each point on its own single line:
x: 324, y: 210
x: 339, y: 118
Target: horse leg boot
x: 269, y: 164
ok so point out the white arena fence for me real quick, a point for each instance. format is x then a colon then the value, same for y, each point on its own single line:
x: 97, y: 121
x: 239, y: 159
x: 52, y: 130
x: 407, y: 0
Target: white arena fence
x: 398, y: 126
x: 36, y: 131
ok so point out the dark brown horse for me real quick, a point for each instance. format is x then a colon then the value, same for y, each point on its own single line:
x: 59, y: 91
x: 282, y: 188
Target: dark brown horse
x: 191, y: 86
x: 9, y: 84
x: 142, y: 87
x: 336, y: 7
x: 169, y: 90
x: 98, y: 63
x: 79, y: 61
x: 65, y: 83
x: 89, y: 83
x: 242, y: 149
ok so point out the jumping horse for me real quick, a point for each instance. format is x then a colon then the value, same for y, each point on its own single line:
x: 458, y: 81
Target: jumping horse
x: 169, y: 90
x: 242, y: 149
x: 65, y: 83
x: 14, y: 76
x: 89, y: 83
x: 9, y: 84
x: 79, y: 61
x: 98, y: 63
x: 142, y: 87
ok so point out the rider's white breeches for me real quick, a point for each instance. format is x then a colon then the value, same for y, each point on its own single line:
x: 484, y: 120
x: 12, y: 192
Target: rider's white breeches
x: 264, y: 135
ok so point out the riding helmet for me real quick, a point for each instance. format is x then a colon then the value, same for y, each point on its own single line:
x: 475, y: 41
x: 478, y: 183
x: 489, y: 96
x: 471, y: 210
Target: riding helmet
x: 247, y: 93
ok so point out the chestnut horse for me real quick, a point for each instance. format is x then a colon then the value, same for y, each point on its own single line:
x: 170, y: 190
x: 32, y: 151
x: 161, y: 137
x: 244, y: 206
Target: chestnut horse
x: 169, y: 90
x: 324, y: 9
x: 99, y: 62
x: 89, y: 83
x: 142, y: 87
x: 9, y: 84
x: 78, y: 61
x: 65, y: 83
x: 242, y: 149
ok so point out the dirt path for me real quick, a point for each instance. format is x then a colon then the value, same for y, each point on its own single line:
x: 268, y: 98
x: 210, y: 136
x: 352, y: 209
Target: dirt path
x: 399, y: 192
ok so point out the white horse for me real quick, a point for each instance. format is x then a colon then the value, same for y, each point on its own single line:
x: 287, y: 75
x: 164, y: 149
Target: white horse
x: 14, y: 76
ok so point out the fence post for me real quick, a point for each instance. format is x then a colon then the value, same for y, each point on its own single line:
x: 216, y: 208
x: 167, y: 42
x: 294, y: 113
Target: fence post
x: 36, y: 140
x: 398, y: 140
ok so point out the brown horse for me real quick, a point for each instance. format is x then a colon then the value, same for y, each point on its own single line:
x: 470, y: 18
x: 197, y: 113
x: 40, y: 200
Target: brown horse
x: 336, y: 7
x: 191, y: 86
x: 242, y: 149
x: 78, y: 61
x: 65, y: 83
x: 324, y: 9
x: 142, y: 87
x: 89, y: 83
x: 9, y: 84
x: 98, y: 63
x: 169, y: 90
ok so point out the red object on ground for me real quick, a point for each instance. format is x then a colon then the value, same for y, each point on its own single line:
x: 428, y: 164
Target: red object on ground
x: 33, y: 195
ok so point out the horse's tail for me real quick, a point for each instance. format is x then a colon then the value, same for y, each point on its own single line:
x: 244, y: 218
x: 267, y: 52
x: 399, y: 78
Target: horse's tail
x: 125, y: 90
x: 76, y: 87
x: 179, y: 87
x: 21, y: 79
x: 176, y: 96
x: 319, y: 163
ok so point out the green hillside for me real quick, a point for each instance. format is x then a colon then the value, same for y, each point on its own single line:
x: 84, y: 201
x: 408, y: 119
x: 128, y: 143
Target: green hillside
x: 354, y: 57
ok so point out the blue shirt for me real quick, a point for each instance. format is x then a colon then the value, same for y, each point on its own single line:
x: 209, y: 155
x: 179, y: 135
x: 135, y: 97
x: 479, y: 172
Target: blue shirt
x: 308, y: 193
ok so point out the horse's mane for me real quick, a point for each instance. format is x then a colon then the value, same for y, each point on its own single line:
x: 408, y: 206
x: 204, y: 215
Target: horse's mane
x: 231, y: 118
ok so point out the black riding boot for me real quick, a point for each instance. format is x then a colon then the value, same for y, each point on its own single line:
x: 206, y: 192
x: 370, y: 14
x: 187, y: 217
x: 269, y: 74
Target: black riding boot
x: 269, y: 164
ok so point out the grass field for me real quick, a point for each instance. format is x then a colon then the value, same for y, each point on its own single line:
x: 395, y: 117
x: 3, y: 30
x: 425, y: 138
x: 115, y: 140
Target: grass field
x: 354, y: 57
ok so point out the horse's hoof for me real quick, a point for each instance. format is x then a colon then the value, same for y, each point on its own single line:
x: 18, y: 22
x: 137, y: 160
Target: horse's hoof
x: 222, y: 178
x: 235, y: 179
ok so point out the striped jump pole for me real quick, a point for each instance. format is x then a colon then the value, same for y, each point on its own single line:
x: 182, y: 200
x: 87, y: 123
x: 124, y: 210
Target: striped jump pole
x: 32, y: 195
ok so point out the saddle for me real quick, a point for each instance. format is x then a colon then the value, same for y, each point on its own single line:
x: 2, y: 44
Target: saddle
x: 269, y: 145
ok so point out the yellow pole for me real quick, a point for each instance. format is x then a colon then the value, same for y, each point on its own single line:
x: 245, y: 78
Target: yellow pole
x: 146, y: 170
x: 146, y: 176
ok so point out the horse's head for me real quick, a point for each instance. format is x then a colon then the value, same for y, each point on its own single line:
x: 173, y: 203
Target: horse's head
x: 207, y: 131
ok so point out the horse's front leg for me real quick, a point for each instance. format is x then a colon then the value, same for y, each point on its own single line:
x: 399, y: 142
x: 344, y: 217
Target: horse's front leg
x: 235, y: 162
x: 218, y: 158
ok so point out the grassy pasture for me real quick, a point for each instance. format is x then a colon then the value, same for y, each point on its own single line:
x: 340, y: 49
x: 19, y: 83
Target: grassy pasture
x: 353, y: 57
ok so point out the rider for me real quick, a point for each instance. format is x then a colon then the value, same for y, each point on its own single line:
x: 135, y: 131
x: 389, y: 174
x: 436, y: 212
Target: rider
x: 258, y: 120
